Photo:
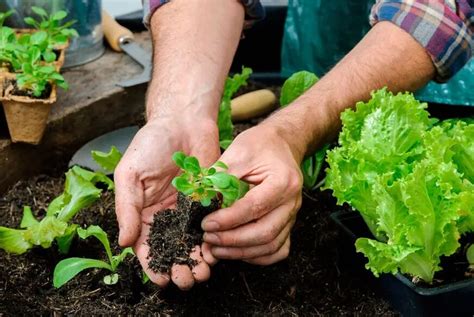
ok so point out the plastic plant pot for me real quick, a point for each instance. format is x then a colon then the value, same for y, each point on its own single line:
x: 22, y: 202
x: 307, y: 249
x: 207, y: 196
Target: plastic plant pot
x: 452, y: 299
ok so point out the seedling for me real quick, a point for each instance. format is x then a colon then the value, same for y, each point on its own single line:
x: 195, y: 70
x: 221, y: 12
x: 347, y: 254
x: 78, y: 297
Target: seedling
x: 204, y: 184
x: 4, y: 16
x: 67, y: 269
x: 35, y: 78
x: 224, y: 119
x: 7, y: 45
x: 58, y: 33
x: 294, y: 87
x: 80, y: 192
x: 108, y: 161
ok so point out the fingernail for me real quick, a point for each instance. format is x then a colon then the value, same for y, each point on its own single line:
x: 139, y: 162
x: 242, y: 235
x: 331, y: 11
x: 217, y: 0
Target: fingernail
x: 210, y: 225
x: 211, y: 238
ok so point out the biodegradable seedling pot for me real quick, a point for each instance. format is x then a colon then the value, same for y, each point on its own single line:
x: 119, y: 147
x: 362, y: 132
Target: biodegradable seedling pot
x: 26, y: 117
x: 452, y: 299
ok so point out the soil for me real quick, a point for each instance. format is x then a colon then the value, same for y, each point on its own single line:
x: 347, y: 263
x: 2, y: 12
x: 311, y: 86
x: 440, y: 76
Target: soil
x: 175, y: 232
x: 28, y: 93
x: 314, y: 280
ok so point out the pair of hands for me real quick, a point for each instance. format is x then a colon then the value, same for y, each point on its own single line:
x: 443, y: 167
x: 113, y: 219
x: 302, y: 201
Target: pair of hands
x: 255, y: 229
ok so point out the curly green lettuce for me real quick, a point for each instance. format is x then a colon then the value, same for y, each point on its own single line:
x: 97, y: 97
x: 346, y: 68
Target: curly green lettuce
x: 409, y: 177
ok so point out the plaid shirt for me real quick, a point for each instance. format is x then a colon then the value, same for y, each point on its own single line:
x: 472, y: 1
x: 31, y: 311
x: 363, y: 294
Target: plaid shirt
x: 444, y: 28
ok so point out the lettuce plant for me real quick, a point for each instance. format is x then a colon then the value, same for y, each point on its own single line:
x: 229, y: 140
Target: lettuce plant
x: 68, y: 268
x: 410, y: 178
x: 203, y: 184
x: 80, y: 192
x: 224, y: 119
x: 108, y: 161
x: 295, y: 86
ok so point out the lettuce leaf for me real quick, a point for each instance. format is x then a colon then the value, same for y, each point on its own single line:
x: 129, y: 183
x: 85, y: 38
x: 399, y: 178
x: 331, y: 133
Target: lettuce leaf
x: 409, y: 177
x: 108, y: 161
x: 224, y: 119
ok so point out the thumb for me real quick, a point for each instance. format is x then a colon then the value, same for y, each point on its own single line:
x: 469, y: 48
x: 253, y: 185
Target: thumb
x: 128, y: 206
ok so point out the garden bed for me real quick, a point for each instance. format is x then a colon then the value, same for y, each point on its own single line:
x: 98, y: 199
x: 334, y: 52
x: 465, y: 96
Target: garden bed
x: 316, y: 279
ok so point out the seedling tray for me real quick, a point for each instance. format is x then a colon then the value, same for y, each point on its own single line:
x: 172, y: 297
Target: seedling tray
x: 454, y: 299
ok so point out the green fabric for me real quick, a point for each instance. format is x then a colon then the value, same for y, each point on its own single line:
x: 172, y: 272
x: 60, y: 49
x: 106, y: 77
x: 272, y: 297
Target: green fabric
x: 319, y: 33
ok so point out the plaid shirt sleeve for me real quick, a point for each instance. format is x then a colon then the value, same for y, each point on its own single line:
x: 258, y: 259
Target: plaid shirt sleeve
x: 253, y: 10
x: 444, y: 28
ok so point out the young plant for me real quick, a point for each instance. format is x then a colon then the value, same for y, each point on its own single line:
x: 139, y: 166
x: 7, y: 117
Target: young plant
x: 67, y: 269
x: 58, y: 33
x: 36, y: 77
x: 294, y: 87
x: 108, y: 161
x: 224, y: 119
x: 204, y: 184
x: 7, y: 45
x: 80, y: 192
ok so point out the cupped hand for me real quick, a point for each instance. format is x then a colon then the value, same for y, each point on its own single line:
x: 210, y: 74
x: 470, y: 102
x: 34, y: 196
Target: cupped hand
x: 143, y: 186
x: 257, y: 227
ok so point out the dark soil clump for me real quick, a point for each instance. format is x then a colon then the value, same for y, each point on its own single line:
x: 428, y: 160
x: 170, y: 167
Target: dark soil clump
x: 175, y: 232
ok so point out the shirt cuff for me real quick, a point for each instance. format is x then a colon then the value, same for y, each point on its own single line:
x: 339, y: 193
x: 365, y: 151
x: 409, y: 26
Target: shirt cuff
x: 441, y: 28
x: 254, y: 10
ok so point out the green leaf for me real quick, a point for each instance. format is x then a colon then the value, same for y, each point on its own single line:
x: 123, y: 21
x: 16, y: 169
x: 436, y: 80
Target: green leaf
x: 220, y: 179
x: 79, y: 193
x: 31, y: 21
x: 67, y: 269
x: 145, y: 278
x: 118, y: 259
x: 39, y: 11
x: 64, y: 242
x: 108, y: 161
x: 100, y: 235
x: 43, y: 233
x: 93, y: 177
x: 28, y: 219
x: 38, y: 37
x: 14, y: 240
x: 191, y: 164
x: 50, y: 57
x: 60, y: 15
x: 182, y: 184
x: 178, y: 159
x: 295, y: 86
x: 220, y: 164
x: 111, y: 279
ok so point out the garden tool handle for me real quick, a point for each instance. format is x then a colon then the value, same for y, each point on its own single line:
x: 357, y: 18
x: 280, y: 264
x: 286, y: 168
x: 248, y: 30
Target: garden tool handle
x: 253, y: 104
x: 114, y: 32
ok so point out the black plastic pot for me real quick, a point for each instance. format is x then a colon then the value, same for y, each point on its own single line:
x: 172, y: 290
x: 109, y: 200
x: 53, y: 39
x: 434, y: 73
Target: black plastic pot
x: 455, y: 299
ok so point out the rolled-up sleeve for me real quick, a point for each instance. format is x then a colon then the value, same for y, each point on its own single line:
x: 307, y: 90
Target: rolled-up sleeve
x: 253, y: 10
x: 443, y: 28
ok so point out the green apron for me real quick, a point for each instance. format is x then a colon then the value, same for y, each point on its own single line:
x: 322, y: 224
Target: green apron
x: 318, y: 35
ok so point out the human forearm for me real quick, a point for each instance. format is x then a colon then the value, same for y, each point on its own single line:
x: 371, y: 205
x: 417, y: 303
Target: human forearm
x: 387, y: 56
x: 194, y: 43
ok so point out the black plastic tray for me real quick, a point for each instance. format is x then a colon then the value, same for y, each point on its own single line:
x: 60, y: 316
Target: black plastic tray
x: 455, y: 299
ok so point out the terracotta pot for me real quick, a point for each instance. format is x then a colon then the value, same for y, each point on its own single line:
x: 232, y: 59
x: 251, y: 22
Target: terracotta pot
x: 26, y: 117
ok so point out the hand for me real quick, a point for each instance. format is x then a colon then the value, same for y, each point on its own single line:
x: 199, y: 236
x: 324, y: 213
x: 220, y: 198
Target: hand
x: 257, y: 227
x: 143, y: 186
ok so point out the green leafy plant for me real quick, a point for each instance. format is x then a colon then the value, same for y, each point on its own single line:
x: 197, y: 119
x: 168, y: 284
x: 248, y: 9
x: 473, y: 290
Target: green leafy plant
x: 224, y: 119
x: 80, y: 192
x: 411, y: 180
x: 67, y: 269
x: 204, y: 184
x: 296, y: 85
x: 35, y: 78
x: 57, y: 33
x: 7, y: 45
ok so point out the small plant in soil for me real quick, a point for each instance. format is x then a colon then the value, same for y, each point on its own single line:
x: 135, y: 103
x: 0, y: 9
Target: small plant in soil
x: 175, y: 232
x: 67, y: 269
x: 296, y: 85
x: 80, y: 191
